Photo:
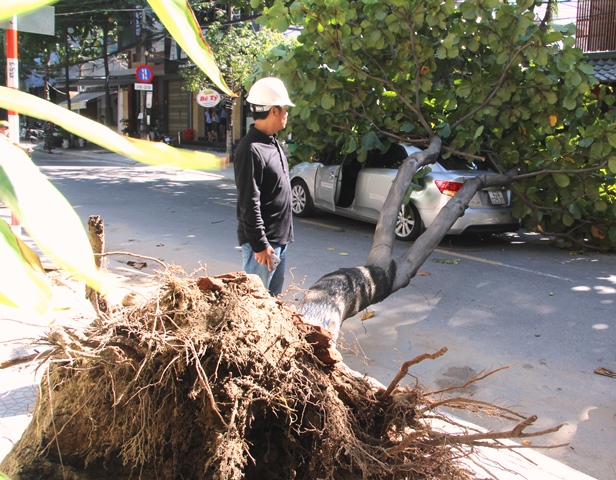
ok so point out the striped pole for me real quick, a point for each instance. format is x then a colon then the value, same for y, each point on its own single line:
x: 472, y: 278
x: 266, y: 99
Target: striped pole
x: 12, y: 75
x: 12, y: 81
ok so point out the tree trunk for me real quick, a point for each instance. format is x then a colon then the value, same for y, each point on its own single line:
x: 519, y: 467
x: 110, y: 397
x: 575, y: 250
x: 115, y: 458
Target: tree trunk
x: 96, y: 235
x: 341, y: 294
x: 108, y: 107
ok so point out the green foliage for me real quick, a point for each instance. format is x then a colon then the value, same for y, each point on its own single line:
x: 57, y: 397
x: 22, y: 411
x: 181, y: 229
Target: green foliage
x: 237, y: 48
x: 480, y: 74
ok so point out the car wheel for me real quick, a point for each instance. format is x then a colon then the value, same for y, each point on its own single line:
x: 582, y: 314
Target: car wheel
x: 408, y: 226
x: 301, y: 202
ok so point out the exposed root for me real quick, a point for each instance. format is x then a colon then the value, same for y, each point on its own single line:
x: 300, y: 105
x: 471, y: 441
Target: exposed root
x: 214, y: 379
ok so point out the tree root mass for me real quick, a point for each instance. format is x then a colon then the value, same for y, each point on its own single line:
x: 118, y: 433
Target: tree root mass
x: 214, y: 379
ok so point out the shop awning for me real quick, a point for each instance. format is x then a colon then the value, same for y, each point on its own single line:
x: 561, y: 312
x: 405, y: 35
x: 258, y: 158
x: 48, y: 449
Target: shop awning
x: 78, y: 102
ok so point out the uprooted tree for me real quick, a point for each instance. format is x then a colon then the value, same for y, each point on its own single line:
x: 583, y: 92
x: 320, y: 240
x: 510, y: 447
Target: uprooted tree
x: 479, y: 76
x: 483, y: 75
x: 214, y: 379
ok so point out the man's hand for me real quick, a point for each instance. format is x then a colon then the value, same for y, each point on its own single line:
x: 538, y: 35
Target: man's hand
x: 264, y: 257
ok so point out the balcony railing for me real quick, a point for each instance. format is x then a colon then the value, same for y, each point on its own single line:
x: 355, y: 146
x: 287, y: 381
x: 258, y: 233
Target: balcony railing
x: 596, y: 25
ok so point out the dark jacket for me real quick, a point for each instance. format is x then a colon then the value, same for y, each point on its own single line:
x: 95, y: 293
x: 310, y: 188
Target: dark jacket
x: 263, y: 192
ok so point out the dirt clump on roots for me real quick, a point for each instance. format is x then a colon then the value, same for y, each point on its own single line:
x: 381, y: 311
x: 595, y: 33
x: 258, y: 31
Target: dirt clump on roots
x: 212, y: 378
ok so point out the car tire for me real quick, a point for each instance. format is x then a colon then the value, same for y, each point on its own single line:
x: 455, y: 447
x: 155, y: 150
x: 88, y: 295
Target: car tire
x: 408, y: 225
x: 301, y: 201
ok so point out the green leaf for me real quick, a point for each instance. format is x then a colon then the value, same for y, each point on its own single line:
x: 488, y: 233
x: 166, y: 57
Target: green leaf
x: 281, y: 23
x: 567, y: 220
x: 350, y: 145
x: 562, y: 180
x: 586, y: 142
x: 611, y: 137
x: 586, y: 69
x: 569, y: 103
x: 444, y: 130
x: 327, y: 101
x: 464, y: 90
x: 574, y: 209
x: 552, y: 37
x: 371, y: 141
x: 612, y: 164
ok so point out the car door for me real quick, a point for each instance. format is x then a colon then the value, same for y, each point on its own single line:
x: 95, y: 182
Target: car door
x: 327, y: 178
x: 375, y: 180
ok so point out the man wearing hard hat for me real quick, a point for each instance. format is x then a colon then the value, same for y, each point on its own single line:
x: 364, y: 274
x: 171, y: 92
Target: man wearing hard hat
x: 265, y: 219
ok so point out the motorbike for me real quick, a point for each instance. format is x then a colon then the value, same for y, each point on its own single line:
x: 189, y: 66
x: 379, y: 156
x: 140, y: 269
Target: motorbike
x: 159, y: 136
x: 30, y: 134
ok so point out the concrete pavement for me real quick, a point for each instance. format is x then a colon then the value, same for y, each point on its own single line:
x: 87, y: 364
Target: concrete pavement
x: 19, y: 384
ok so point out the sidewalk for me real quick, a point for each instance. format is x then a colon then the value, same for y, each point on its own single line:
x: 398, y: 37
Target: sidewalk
x: 19, y: 384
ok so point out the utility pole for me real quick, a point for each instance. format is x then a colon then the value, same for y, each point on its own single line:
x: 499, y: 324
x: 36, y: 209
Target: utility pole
x: 12, y: 74
x: 144, y: 119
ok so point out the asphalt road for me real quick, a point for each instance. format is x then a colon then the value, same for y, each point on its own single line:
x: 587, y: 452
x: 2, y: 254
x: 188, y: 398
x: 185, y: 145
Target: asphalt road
x: 510, y: 300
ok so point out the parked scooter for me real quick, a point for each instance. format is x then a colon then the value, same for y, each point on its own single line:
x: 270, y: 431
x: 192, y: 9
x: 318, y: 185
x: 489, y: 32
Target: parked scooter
x: 158, y: 135
x: 29, y: 134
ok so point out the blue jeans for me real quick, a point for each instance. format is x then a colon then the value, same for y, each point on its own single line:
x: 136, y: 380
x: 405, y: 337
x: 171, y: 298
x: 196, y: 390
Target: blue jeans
x: 273, y: 280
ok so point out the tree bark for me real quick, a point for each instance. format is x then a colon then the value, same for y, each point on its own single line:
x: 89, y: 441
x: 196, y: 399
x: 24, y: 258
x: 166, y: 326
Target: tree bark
x: 96, y: 235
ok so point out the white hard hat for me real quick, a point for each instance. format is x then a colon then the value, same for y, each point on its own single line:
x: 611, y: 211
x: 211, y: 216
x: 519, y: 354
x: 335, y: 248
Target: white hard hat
x: 268, y: 92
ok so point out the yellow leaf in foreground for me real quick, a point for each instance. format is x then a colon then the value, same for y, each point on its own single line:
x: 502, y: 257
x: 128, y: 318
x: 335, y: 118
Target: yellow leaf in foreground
x: 46, y: 215
x: 23, y: 283
x: 15, y: 7
x: 151, y: 153
x: 179, y: 19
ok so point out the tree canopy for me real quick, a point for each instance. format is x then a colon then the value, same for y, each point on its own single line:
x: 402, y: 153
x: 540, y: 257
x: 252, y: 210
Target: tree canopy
x: 481, y: 74
x: 237, y: 48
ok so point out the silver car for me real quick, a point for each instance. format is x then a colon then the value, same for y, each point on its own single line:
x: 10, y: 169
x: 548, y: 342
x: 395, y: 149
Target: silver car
x: 342, y: 185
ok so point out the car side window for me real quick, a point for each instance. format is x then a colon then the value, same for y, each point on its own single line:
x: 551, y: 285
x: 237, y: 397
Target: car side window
x: 392, y: 158
x: 330, y: 158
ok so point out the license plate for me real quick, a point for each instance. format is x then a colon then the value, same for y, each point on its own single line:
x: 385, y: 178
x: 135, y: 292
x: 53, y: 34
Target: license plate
x: 496, y: 197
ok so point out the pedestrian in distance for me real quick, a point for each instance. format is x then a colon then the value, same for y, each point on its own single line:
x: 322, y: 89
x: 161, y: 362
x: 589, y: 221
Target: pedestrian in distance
x: 215, y: 125
x: 4, y: 136
x: 48, y: 128
x: 223, y: 124
x: 208, y: 124
x: 265, y: 218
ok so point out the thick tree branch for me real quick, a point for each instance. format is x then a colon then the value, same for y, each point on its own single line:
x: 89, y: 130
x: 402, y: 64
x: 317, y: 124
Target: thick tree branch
x: 382, y: 246
x: 416, y: 255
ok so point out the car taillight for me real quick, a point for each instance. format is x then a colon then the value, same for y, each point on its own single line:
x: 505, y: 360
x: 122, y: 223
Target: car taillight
x: 448, y: 188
